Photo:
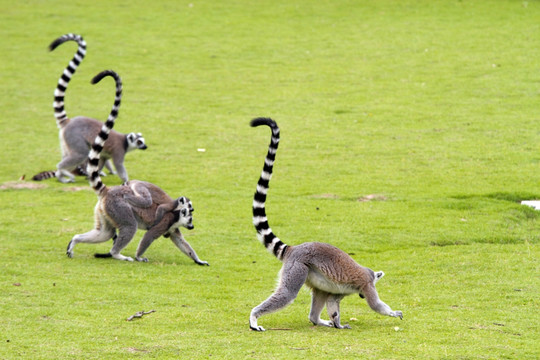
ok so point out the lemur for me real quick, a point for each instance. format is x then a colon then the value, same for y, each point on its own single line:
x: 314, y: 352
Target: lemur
x: 330, y: 272
x: 76, y: 134
x: 135, y: 204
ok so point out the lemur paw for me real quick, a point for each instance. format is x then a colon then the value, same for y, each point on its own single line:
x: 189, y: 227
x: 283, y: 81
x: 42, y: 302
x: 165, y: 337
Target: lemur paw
x: 257, y: 328
x: 141, y: 259
x: 69, y: 251
x: 321, y: 322
x: 65, y: 181
x: 398, y: 314
x: 202, y: 263
x: 122, y: 257
x: 339, y: 326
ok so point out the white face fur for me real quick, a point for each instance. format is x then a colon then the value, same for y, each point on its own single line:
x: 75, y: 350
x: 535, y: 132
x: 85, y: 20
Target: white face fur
x: 185, y: 209
x: 136, y: 141
x: 378, y: 276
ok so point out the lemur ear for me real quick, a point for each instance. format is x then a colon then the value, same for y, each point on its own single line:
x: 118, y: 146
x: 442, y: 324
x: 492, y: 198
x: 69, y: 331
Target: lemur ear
x: 378, y: 275
x: 131, y: 137
x: 182, y: 200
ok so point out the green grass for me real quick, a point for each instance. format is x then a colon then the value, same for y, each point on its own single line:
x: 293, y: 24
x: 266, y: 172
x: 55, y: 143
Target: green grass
x: 432, y: 106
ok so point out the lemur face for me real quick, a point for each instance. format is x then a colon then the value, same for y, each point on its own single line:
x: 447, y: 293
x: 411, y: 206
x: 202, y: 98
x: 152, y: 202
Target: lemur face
x: 136, y: 141
x: 185, y: 209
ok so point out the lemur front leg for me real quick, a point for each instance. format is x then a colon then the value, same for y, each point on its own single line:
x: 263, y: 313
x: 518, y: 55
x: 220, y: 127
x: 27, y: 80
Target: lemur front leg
x: 109, y: 167
x: 183, y: 245
x: 376, y: 304
x: 152, y: 234
x: 120, y: 169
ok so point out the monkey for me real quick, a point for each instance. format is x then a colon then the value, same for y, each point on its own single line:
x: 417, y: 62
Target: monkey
x: 330, y: 272
x: 76, y: 134
x: 135, y: 204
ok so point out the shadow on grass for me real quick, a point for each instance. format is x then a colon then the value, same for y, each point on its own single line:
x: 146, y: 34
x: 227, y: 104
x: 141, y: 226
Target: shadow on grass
x: 516, y: 198
x: 492, y: 240
x: 503, y: 196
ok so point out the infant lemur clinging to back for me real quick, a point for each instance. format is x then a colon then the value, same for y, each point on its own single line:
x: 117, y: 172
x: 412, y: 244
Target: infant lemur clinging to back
x: 136, y: 204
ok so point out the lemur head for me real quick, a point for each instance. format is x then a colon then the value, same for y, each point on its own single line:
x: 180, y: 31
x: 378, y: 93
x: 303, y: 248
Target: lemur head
x: 183, y: 211
x: 135, y: 141
x: 184, y: 201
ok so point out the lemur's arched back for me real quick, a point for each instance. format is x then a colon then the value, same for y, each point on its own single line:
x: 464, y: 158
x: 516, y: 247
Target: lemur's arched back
x: 136, y: 204
x: 329, y: 272
x: 77, y: 134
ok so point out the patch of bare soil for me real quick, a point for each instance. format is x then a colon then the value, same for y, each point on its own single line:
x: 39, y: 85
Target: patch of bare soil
x: 326, y: 196
x: 372, y: 197
x: 77, y: 188
x: 21, y: 185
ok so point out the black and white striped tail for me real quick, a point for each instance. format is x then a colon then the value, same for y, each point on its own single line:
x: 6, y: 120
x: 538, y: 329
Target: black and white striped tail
x: 44, y: 175
x: 264, y: 232
x: 59, y: 92
x: 93, y: 157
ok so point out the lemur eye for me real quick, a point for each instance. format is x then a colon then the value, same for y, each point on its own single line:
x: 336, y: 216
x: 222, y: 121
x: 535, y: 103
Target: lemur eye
x: 139, y: 142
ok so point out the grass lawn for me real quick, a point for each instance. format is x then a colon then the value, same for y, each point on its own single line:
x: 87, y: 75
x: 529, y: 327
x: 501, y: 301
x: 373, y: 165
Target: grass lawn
x: 410, y: 134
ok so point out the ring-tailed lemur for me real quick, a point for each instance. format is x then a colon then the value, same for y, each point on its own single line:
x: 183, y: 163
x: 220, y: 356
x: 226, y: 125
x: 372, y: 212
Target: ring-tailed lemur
x: 136, y: 204
x: 76, y: 134
x: 329, y: 272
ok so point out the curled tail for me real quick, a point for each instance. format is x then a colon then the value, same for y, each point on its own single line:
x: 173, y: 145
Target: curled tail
x: 264, y: 232
x: 60, y: 90
x: 93, y: 157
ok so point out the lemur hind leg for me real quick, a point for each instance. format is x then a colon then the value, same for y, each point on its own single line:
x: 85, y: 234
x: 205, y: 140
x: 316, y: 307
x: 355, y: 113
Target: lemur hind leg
x: 93, y: 236
x: 67, y: 164
x: 318, y: 300
x: 178, y: 239
x: 123, y: 216
x: 332, y: 306
x: 293, y: 276
x: 125, y: 234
